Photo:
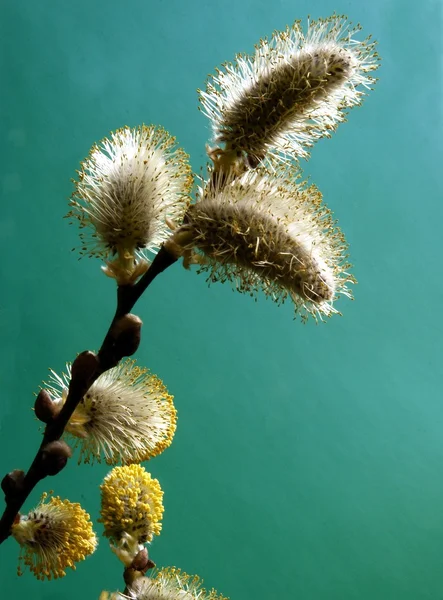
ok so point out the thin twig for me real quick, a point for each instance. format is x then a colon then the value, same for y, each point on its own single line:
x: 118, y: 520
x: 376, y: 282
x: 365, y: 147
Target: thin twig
x: 85, y: 370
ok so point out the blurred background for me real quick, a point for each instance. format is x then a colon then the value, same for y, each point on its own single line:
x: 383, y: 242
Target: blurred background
x: 308, y: 460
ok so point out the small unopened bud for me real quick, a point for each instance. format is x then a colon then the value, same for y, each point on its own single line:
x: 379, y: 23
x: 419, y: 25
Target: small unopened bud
x: 138, y: 567
x: 45, y: 408
x: 127, y: 333
x: 142, y: 562
x: 85, y: 365
x: 12, y: 482
x: 55, y: 456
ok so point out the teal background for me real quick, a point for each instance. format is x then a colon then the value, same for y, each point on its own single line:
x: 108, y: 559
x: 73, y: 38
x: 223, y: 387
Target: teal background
x: 308, y: 460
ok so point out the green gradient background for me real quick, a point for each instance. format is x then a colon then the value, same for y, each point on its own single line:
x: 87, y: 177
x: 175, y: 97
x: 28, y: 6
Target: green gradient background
x: 308, y: 460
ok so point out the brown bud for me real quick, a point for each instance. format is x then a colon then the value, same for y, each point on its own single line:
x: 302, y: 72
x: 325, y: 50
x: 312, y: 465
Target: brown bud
x: 142, y: 562
x: 85, y: 365
x: 126, y: 332
x: 55, y: 456
x: 45, y: 408
x: 12, y: 482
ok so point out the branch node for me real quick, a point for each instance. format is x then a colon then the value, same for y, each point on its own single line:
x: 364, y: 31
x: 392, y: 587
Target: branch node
x: 45, y: 408
x: 126, y: 332
x: 12, y: 483
x: 55, y: 456
x: 85, y: 366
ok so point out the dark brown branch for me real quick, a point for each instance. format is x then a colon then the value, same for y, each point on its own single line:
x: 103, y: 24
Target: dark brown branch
x: 86, y: 368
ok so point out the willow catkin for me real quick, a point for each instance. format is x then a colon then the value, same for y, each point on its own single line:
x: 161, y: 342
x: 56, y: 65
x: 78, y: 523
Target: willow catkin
x: 295, y: 89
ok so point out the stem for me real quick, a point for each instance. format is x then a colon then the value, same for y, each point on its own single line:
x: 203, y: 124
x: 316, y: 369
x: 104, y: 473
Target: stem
x: 91, y: 367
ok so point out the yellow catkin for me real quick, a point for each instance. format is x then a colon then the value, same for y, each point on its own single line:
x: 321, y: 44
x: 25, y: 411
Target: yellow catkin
x: 132, y: 503
x: 56, y: 535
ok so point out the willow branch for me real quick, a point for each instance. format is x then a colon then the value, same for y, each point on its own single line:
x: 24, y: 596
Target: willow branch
x: 86, y: 368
